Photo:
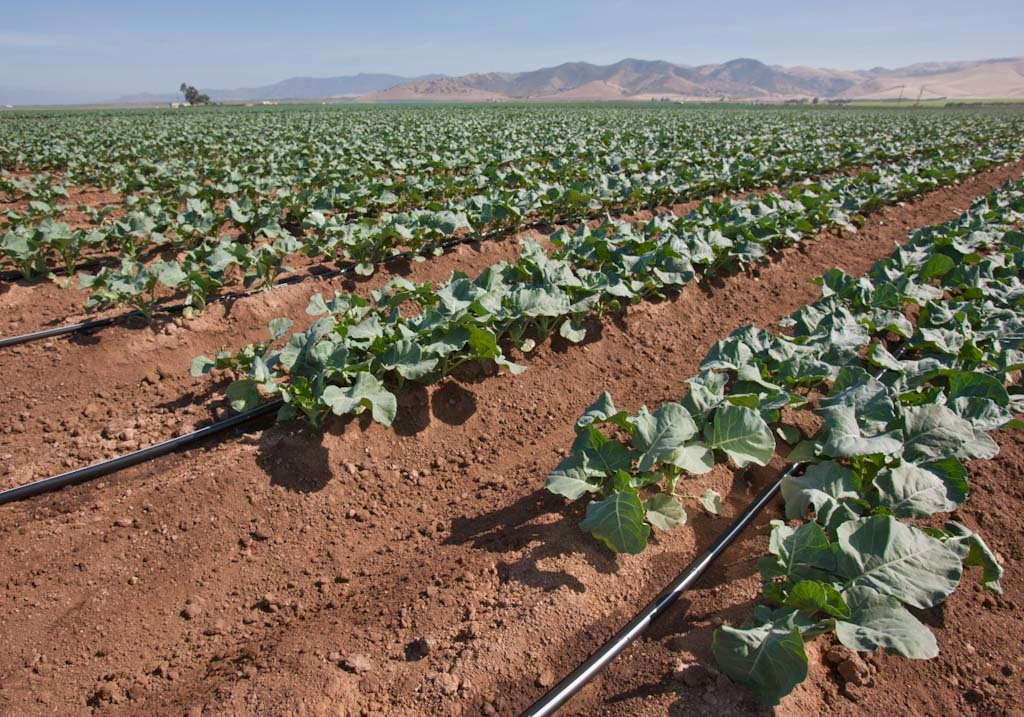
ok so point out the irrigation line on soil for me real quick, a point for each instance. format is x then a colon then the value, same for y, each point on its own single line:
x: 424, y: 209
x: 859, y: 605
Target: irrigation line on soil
x: 560, y: 693
x: 564, y: 690
x: 87, y: 473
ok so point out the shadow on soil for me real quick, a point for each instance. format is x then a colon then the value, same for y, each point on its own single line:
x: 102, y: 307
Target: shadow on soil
x: 450, y: 403
x: 295, y: 458
x: 516, y: 527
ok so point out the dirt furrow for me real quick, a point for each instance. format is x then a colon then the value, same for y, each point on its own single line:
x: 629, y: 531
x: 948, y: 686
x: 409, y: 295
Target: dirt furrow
x: 72, y: 402
x: 365, y: 569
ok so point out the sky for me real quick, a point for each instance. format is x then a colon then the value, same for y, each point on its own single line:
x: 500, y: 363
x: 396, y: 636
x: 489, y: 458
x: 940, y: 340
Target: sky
x: 106, y: 48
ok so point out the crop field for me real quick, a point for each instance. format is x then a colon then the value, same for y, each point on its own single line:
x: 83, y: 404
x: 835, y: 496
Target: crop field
x: 408, y: 409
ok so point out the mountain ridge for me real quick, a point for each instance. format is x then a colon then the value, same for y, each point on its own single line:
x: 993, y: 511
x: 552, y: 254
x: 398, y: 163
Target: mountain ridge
x: 738, y: 79
x: 742, y: 78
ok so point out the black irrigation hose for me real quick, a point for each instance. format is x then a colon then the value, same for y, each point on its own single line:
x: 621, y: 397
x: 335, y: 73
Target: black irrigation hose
x: 81, y: 475
x: 564, y: 690
x: 219, y: 298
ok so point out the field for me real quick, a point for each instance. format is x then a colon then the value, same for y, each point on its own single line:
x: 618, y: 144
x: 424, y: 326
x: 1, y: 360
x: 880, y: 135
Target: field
x: 439, y: 509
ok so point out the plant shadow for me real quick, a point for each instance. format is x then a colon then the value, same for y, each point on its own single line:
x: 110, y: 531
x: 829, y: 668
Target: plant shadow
x: 295, y: 458
x: 521, y: 526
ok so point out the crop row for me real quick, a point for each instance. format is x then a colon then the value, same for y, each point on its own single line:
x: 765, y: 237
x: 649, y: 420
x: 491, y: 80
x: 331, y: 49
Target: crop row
x: 902, y: 405
x: 351, y: 358
x: 267, y: 214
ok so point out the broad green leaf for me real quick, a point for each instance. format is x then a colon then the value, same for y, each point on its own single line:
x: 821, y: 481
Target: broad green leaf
x: 895, y: 559
x: 711, y: 502
x: 934, y: 431
x: 201, y: 365
x: 603, y: 409
x: 662, y: 434
x: 573, y: 331
x: 743, y: 435
x: 802, y: 553
x: 279, y: 327
x: 879, y: 622
x: 694, y: 457
x: 973, y: 551
x: 911, y: 491
x: 243, y: 395
x: 813, y: 596
x: 572, y: 479
x: 977, y: 385
x: 845, y: 439
x: 367, y: 391
x: 406, y: 358
x: 767, y: 659
x: 664, y: 512
x: 618, y: 522
x: 828, y: 488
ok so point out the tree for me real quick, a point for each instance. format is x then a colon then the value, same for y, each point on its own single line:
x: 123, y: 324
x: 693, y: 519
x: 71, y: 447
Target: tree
x: 192, y: 95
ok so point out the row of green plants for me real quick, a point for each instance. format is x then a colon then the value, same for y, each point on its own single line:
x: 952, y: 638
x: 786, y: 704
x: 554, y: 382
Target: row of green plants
x: 190, y: 236
x: 362, y: 349
x: 907, y: 370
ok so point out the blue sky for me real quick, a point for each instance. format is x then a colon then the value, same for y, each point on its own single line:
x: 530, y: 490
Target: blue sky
x: 104, y: 48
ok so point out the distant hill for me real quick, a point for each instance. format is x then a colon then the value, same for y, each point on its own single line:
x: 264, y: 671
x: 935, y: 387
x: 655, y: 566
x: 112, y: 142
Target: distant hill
x: 630, y: 79
x: 740, y: 79
x: 294, y: 88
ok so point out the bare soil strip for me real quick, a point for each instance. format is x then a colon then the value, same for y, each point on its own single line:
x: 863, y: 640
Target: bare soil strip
x: 407, y: 571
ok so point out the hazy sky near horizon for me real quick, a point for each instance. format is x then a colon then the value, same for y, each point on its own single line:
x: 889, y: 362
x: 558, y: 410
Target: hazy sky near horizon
x: 109, y: 47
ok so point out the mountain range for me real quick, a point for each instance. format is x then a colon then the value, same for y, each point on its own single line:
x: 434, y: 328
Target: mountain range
x: 740, y: 79
x: 629, y: 79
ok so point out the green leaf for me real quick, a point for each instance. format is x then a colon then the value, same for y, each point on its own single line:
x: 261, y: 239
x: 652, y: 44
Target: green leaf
x: 802, y: 553
x: 936, y: 266
x: 664, y: 512
x: 813, y: 596
x: 743, y: 435
x: 618, y: 522
x: 977, y: 385
x: 201, y: 365
x: 769, y: 659
x: 602, y: 410
x: 317, y: 306
x: 661, y: 435
x: 243, y: 395
x: 572, y: 478
x: 973, y: 551
x: 406, y: 358
x: 169, y: 274
x: 367, y: 391
x: 573, y: 331
x: 828, y: 488
x: 844, y: 438
x: 911, y: 491
x: 896, y: 559
x: 279, y: 327
x: 711, y: 501
x: 694, y: 457
x: 879, y: 622
x: 934, y: 431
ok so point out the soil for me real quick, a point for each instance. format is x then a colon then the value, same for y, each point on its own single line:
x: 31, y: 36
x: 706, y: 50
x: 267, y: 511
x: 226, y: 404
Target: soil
x: 420, y: 569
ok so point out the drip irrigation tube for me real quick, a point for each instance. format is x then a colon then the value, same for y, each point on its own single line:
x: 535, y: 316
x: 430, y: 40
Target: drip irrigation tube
x: 560, y: 693
x: 564, y: 690
x: 81, y: 475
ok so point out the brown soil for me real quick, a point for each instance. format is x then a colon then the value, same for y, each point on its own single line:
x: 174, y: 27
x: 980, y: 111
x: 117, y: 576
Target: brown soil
x: 421, y: 569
